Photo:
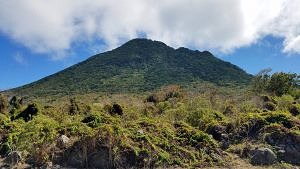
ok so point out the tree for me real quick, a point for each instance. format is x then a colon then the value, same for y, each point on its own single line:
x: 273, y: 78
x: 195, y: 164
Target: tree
x: 261, y: 80
x: 281, y: 83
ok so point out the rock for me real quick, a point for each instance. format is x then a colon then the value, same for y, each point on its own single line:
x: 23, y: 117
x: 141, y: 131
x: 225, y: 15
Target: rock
x: 62, y: 141
x: 101, y: 158
x: 48, y: 165
x: 97, y: 158
x: 13, y: 158
x: 140, y: 131
x: 286, y: 143
x: 262, y: 156
x: 129, y: 159
x: 75, y: 157
x: 218, y: 132
x: 89, y: 153
x: 290, y: 154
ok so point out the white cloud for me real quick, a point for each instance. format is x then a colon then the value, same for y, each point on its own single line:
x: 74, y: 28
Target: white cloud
x: 54, y: 26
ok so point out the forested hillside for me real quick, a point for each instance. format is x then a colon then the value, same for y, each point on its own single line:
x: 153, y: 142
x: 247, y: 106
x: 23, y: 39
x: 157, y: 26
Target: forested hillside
x: 138, y: 65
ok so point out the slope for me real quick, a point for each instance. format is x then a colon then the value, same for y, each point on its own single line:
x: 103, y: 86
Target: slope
x: 138, y: 65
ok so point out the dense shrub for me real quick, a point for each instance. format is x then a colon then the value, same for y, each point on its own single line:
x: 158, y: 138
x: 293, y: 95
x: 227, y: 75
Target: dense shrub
x: 3, y: 104
x: 114, y: 109
x: 28, y: 113
x: 230, y: 110
x: 29, y: 136
x: 269, y: 106
x: 74, y: 108
x: 152, y: 98
x: 203, y: 118
x: 77, y: 107
x: 92, y: 120
x: 171, y: 91
x: 279, y: 83
x: 295, y: 109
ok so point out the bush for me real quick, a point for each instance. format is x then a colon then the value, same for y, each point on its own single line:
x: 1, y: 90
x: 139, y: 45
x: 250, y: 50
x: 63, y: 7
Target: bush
x: 171, y: 91
x: 92, y: 120
x: 281, y: 83
x: 152, y: 98
x: 163, y: 106
x: 270, y: 106
x: 28, y: 113
x: 37, y: 132
x: 4, y: 120
x: 74, y: 108
x: 3, y: 104
x: 114, y: 109
x: 284, y: 102
x: 78, y: 108
x: 193, y: 137
x: 279, y: 118
x: 230, y: 110
x: 295, y: 109
x: 203, y: 118
x: 176, y: 114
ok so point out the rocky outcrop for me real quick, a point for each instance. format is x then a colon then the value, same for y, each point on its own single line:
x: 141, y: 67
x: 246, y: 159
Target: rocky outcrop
x: 219, y: 133
x: 88, y: 153
x: 287, y: 144
x: 262, y: 156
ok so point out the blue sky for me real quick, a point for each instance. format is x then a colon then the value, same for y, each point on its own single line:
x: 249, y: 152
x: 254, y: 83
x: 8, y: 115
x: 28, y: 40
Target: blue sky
x: 39, y: 38
x: 266, y: 53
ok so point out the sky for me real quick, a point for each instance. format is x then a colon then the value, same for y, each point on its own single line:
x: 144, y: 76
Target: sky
x: 41, y: 37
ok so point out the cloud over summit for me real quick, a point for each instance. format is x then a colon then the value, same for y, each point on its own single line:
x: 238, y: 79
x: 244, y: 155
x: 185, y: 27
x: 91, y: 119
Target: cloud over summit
x: 55, y: 26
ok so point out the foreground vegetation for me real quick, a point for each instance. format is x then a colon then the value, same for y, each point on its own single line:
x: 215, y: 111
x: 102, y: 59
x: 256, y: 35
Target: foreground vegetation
x: 199, y: 126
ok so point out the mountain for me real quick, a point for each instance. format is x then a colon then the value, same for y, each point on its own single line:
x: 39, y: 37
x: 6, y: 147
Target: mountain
x: 138, y: 65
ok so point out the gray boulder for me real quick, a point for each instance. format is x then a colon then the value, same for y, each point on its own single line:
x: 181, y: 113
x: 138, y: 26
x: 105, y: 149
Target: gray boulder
x: 89, y: 153
x: 262, y: 156
x: 287, y: 145
x: 62, y: 141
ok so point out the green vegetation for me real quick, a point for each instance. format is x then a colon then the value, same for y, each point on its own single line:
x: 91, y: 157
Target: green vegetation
x: 199, y: 126
x: 137, y: 66
x: 278, y: 83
